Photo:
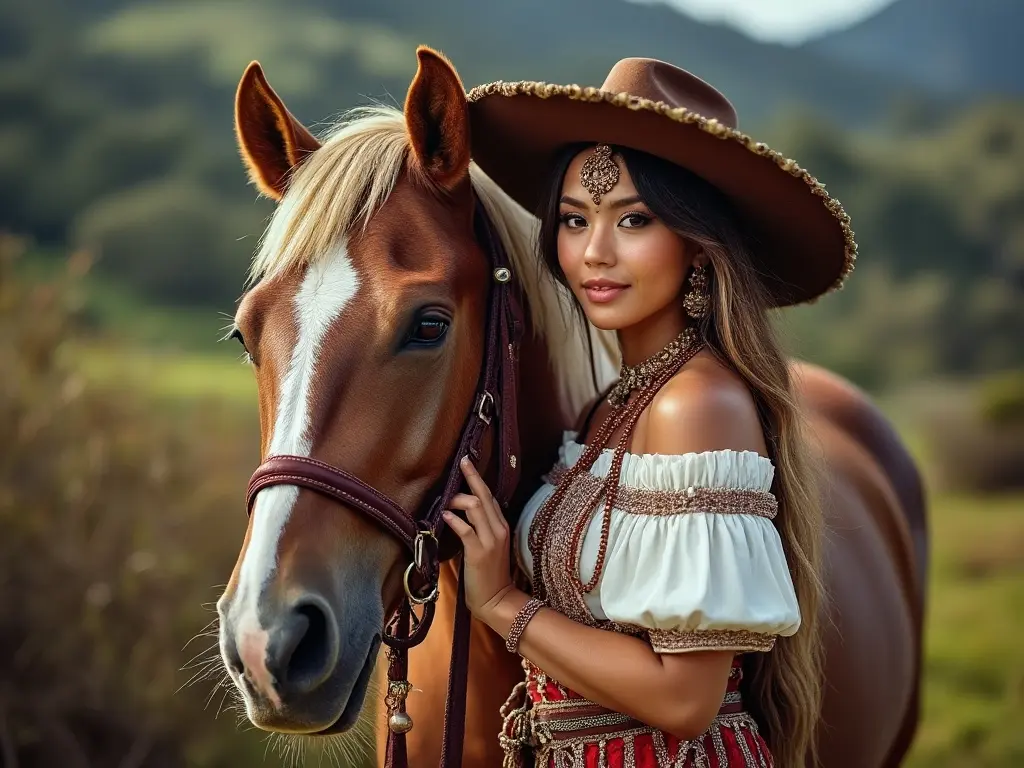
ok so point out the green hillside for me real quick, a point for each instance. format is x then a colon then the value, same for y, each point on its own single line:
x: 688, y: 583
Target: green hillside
x: 116, y: 135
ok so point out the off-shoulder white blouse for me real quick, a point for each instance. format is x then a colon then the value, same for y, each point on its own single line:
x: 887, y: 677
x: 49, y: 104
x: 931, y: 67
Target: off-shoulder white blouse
x: 692, y: 570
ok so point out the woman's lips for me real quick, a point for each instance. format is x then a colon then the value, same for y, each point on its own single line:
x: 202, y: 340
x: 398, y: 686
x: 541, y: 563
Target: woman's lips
x: 602, y: 294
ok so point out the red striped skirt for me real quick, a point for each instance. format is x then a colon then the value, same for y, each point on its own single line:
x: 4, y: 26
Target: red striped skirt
x: 553, y: 726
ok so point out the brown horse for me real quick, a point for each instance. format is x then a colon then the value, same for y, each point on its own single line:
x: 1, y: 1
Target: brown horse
x: 365, y: 326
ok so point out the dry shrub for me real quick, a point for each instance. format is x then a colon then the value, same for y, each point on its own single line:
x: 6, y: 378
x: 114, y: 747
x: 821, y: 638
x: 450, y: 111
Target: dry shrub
x: 978, y: 442
x: 1002, y: 399
x: 118, y: 517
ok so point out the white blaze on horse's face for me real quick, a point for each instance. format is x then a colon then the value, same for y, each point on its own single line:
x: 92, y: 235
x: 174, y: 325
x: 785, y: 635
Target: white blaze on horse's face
x: 328, y: 286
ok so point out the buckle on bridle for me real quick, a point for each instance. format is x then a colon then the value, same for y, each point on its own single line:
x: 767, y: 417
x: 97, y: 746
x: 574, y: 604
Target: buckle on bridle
x: 414, y: 599
x: 424, y: 550
x: 485, y: 408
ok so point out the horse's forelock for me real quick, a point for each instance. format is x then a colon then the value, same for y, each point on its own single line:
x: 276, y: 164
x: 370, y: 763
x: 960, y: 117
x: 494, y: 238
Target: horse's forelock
x: 336, y: 189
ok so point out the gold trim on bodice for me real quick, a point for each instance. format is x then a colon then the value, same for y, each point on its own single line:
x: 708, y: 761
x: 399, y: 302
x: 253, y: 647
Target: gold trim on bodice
x: 643, y: 501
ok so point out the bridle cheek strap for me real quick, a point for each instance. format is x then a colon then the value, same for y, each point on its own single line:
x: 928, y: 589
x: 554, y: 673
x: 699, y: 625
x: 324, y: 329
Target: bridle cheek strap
x: 495, y: 403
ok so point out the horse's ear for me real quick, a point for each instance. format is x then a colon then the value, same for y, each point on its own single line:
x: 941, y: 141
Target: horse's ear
x: 271, y: 140
x: 437, y: 119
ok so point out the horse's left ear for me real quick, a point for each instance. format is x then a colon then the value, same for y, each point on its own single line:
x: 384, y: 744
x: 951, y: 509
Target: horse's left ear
x: 272, y: 141
x: 437, y: 119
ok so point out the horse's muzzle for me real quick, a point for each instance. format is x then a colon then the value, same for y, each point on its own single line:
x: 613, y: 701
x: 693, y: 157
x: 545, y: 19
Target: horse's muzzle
x: 288, y: 666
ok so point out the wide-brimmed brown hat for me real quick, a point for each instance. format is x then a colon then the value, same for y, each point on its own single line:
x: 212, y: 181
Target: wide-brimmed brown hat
x: 800, y: 237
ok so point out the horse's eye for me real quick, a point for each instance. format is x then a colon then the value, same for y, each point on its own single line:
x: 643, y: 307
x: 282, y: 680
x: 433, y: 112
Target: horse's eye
x: 237, y: 335
x: 429, y: 330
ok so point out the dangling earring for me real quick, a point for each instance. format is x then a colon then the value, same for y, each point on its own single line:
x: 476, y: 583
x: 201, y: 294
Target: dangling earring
x: 697, y: 301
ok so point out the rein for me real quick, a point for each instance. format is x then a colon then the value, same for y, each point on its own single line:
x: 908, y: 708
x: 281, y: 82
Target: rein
x: 494, y: 406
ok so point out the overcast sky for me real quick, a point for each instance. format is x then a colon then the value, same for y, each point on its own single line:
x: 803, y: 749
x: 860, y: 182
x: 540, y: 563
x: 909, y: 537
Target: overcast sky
x: 788, y: 21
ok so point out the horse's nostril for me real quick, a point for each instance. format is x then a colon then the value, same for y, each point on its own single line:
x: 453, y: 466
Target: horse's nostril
x: 231, y: 656
x: 311, y: 653
x: 304, y: 649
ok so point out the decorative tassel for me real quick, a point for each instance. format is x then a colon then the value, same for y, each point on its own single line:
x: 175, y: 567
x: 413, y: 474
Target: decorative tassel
x: 515, y: 730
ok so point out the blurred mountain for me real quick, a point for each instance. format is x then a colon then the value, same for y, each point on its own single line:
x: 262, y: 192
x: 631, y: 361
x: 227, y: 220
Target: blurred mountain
x: 578, y: 41
x: 963, y: 47
x: 371, y: 45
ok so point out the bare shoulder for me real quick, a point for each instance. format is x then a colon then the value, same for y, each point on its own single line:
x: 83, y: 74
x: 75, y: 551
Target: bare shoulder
x: 704, y: 407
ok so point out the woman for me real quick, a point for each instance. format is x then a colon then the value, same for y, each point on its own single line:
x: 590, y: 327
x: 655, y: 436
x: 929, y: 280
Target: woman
x: 673, y: 552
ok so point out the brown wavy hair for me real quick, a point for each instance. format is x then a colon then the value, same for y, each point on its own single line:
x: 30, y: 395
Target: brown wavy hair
x: 783, y: 686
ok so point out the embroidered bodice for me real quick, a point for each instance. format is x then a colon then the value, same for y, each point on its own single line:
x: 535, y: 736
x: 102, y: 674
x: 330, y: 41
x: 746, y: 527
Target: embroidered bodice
x: 694, y: 560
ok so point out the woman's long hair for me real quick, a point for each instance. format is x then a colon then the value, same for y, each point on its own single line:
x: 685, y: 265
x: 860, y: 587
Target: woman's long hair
x: 784, y: 685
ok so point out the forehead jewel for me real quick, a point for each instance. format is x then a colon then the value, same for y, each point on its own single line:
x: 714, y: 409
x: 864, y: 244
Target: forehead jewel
x: 599, y: 173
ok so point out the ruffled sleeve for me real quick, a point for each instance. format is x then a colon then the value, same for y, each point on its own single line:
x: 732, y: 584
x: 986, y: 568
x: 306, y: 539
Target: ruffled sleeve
x: 694, y: 556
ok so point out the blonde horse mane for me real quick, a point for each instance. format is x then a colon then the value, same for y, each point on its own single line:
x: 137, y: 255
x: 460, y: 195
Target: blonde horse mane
x: 342, y: 185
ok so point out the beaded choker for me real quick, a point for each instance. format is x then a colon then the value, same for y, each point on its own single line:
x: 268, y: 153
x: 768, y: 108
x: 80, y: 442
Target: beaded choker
x: 643, y: 375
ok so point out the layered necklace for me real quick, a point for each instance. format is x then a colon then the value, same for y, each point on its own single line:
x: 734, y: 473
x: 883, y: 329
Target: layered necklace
x: 646, y: 378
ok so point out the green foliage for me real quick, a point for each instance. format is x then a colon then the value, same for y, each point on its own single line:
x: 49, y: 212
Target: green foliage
x: 939, y: 283
x: 292, y: 42
x: 166, y: 239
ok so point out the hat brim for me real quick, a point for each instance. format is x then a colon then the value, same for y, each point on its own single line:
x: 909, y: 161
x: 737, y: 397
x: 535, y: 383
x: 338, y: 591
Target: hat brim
x: 800, y: 236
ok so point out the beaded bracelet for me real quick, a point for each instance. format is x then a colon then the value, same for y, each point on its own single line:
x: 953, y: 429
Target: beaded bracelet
x: 519, y: 623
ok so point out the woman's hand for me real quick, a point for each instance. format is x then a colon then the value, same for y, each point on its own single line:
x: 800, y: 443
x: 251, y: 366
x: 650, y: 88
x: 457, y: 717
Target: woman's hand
x: 485, y: 542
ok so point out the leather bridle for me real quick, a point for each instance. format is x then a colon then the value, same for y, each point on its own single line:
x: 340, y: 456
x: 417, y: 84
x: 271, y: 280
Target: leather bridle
x: 420, y: 533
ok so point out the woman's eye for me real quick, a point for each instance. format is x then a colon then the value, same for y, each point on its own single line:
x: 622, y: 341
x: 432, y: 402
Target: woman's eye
x: 634, y: 220
x: 573, y: 221
x: 429, y: 330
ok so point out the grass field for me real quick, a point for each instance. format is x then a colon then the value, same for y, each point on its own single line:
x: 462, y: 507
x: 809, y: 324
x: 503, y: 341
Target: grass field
x: 179, y: 376
x: 974, y: 697
x: 974, y: 676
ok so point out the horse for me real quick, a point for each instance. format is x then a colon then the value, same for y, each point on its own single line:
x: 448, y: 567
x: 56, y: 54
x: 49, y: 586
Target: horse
x: 365, y: 320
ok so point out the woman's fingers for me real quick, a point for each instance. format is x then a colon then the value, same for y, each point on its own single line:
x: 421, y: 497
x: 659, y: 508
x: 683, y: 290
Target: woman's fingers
x: 476, y: 483
x: 494, y: 518
x: 463, y: 530
x: 484, y: 519
x: 485, y: 539
x: 477, y: 513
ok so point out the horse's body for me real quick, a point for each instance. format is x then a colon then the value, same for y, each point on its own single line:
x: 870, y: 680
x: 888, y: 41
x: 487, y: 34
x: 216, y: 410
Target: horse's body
x: 303, y: 610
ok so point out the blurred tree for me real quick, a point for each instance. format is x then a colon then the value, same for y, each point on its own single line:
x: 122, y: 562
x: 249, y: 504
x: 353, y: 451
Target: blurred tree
x: 169, y: 239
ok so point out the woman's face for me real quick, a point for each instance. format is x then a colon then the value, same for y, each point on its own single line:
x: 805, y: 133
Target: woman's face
x: 625, y: 266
